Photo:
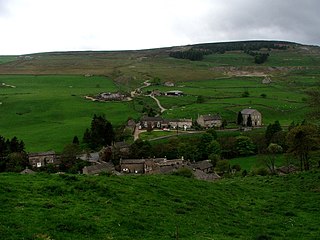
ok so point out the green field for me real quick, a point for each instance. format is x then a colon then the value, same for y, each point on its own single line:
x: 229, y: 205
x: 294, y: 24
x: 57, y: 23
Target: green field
x: 47, y: 111
x: 46, y: 108
x: 159, y: 207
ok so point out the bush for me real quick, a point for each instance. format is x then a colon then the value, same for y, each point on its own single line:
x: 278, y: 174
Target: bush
x: 261, y: 172
x: 184, y: 172
x: 237, y: 167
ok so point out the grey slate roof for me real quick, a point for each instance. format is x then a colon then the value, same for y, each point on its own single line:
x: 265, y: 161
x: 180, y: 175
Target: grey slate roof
x: 248, y: 111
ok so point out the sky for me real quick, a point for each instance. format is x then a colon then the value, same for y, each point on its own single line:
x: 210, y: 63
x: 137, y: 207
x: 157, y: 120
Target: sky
x: 31, y: 26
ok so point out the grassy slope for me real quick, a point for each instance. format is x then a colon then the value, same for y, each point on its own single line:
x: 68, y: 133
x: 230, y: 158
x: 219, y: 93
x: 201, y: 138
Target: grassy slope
x: 47, y: 111
x: 43, y: 112
x: 154, y: 207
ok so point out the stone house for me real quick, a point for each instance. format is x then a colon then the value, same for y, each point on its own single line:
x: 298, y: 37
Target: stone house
x: 43, y: 158
x: 111, y: 96
x: 205, y: 166
x: 210, y: 121
x: 153, y: 122
x: 255, y: 115
x: 175, y: 93
x: 169, y: 84
x: 98, y: 168
x: 179, y: 123
x: 151, y: 166
x: 90, y: 157
x: 132, y: 165
x: 160, y: 123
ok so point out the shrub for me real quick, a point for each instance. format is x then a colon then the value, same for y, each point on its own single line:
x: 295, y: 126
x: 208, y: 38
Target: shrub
x: 261, y: 172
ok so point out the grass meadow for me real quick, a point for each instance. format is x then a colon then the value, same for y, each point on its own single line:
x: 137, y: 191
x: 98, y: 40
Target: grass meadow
x: 46, y: 108
x: 47, y: 111
x: 159, y: 207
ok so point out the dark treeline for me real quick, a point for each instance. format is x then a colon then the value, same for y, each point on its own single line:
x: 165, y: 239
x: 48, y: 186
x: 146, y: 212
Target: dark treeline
x: 243, y: 46
x: 12, y: 155
x: 192, y: 54
x: 197, y: 52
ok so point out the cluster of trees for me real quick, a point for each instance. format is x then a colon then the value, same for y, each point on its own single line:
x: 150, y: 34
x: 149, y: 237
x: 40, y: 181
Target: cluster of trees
x: 13, y: 157
x: 192, y: 54
x: 259, y: 57
x: 197, y: 52
x: 243, y: 46
x: 100, y: 134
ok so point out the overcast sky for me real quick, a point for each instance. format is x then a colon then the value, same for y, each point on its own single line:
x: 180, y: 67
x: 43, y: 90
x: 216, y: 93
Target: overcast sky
x: 29, y: 26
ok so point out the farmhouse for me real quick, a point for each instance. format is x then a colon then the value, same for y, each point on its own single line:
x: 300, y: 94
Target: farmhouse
x: 160, y: 123
x: 169, y: 84
x: 175, y: 93
x: 205, y: 166
x: 255, y: 116
x: 43, y: 158
x: 153, y: 122
x: 90, y: 157
x: 209, y: 121
x: 179, y: 123
x: 111, y: 96
x: 132, y: 165
x: 98, y: 168
x: 151, y: 166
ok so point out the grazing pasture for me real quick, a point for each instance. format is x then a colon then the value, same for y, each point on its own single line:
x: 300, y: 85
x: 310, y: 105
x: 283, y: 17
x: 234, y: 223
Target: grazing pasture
x: 43, y: 103
x: 47, y: 111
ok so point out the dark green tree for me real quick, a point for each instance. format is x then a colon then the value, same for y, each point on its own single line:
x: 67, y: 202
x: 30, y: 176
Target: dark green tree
x: 100, y: 134
x: 271, y: 130
x: 140, y: 149
x: 240, y: 119
x: 249, y: 121
x: 245, y: 146
x: 270, y: 159
x: 75, y: 140
x: 302, y: 140
x: 16, y: 162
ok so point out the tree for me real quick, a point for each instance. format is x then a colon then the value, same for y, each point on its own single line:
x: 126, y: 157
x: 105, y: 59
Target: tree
x: 75, y: 140
x: 271, y: 130
x: 245, y: 146
x: 272, y: 150
x: 213, y: 133
x: 205, y: 140
x: 249, y: 121
x: 100, y: 134
x: 16, y: 162
x: 223, y: 166
x: 140, y: 149
x: 240, y: 119
x: 214, y: 148
x: 302, y: 140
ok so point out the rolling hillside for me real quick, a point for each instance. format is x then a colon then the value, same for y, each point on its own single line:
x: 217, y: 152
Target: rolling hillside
x: 42, y: 95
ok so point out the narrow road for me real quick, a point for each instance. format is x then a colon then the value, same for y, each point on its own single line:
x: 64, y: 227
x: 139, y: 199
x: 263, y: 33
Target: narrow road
x: 162, y: 109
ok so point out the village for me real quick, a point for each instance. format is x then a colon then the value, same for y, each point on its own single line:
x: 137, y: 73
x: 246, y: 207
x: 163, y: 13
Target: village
x: 97, y: 163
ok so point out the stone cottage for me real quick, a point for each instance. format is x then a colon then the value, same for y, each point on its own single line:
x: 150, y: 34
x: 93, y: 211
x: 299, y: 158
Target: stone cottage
x: 255, y: 115
x: 210, y: 121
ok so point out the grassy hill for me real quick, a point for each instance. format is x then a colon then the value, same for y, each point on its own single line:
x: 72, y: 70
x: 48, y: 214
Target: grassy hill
x: 159, y: 207
x: 46, y: 106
